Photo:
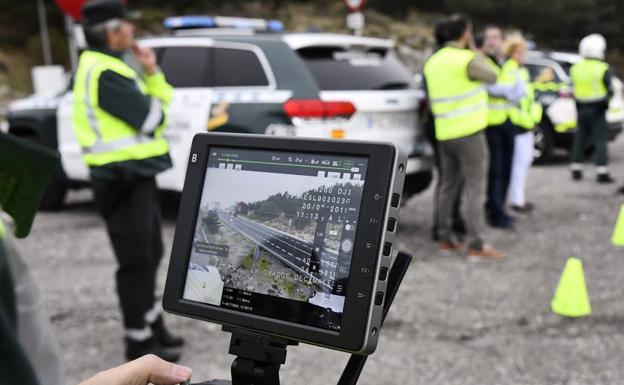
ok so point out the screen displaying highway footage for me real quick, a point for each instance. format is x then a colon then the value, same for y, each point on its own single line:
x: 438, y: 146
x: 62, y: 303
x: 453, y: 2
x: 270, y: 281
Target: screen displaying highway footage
x: 274, y: 234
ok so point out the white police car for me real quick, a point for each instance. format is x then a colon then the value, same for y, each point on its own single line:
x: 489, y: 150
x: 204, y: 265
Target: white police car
x: 246, y: 75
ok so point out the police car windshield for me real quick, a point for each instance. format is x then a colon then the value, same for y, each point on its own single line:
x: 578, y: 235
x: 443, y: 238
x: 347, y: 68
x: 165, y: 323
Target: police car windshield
x: 565, y: 65
x: 360, y: 68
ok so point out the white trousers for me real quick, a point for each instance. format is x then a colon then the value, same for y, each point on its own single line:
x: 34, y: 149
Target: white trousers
x: 522, y: 160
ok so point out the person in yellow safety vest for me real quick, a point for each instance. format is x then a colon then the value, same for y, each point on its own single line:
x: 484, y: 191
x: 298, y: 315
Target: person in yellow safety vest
x: 455, y: 77
x: 545, y: 82
x: 524, y: 115
x: 118, y: 117
x: 500, y: 132
x: 458, y: 226
x: 591, y: 81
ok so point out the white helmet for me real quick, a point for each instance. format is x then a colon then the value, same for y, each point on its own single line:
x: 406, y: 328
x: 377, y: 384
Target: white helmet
x: 593, y: 46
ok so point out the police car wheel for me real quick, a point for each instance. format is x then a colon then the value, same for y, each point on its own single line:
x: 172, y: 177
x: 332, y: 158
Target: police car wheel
x: 416, y: 183
x: 54, y: 196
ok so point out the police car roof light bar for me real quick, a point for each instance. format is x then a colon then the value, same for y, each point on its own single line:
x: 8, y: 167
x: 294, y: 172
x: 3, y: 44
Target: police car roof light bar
x: 199, y: 21
x: 259, y: 356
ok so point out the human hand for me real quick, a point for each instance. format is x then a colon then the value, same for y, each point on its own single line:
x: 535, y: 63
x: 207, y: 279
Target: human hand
x: 146, y: 58
x: 148, y: 369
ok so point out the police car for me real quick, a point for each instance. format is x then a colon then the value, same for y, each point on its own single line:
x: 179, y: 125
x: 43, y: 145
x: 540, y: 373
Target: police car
x: 248, y: 76
x: 550, y: 74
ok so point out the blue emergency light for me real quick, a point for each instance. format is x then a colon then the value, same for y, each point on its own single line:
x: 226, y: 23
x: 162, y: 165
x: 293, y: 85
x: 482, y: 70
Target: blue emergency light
x: 190, y: 22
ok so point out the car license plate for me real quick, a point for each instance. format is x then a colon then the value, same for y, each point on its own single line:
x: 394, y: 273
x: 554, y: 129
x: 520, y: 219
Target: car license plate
x: 391, y: 120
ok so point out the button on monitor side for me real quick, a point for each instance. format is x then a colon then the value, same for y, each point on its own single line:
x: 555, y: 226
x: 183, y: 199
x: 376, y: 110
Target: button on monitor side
x: 396, y: 199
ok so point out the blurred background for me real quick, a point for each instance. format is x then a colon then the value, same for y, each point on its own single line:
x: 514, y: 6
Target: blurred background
x: 557, y: 25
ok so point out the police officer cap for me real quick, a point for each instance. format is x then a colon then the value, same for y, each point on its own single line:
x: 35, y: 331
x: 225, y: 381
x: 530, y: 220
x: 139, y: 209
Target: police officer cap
x: 100, y: 11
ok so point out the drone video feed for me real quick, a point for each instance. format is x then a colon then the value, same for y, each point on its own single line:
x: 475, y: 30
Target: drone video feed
x: 275, y: 234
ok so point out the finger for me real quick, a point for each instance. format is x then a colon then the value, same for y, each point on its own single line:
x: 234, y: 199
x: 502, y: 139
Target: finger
x: 161, y: 372
x: 137, y: 49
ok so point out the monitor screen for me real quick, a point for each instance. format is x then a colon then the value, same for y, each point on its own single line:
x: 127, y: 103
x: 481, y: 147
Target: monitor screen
x: 275, y: 233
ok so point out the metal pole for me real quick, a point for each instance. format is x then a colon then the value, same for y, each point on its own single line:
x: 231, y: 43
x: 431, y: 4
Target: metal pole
x: 45, y: 36
x: 73, y: 46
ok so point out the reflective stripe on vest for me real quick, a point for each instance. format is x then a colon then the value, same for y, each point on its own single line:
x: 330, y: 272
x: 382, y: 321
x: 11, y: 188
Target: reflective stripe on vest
x: 500, y: 106
x: 103, y: 137
x: 588, y: 80
x: 458, y: 104
x: 93, y: 123
x: 116, y: 145
x: 456, y: 98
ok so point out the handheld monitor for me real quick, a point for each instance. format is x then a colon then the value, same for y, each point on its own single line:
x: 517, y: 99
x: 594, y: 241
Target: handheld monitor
x: 287, y: 237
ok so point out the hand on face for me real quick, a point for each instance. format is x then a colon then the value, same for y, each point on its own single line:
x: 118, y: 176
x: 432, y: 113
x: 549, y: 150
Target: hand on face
x: 146, y: 58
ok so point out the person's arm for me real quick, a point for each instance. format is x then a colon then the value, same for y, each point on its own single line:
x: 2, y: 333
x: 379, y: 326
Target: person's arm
x: 120, y: 97
x: 148, y: 369
x: 480, y: 70
x: 157, y: 85
x: 512, y: 92
x: 607, y: 83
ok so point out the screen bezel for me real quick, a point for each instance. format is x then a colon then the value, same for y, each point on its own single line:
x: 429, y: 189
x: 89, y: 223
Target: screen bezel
x: 366, y: 253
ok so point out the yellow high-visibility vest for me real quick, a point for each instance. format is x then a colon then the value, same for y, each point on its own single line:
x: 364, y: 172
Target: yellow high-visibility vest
x: 458, y: 104
x: 104, y: 138
x: 528, y: 112
x: 588, y: 80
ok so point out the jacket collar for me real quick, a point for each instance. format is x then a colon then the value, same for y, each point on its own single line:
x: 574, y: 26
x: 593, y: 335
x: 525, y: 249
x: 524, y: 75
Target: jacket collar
x: 109, y: 52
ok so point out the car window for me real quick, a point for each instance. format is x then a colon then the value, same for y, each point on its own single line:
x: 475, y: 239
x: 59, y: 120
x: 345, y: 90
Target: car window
x: 566, y: 66
x: 542, y: 73
x: 337, y: 68
x: 211, y: 67
x: 237, y: 68
x: 185, y: 66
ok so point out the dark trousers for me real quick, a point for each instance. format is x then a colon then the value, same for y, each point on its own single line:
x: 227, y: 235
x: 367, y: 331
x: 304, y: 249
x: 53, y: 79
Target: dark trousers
x: 131, y: 210
x: 500, y: 141
x: 592, y: 122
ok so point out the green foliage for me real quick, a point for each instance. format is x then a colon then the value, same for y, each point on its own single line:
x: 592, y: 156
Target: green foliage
x: 275, y: 206
x: 211, y: 222
x: 558, y: 24
x: 247, y: 263
x: 554, y: 24
x: 264, y: 264
x: 288, y: 286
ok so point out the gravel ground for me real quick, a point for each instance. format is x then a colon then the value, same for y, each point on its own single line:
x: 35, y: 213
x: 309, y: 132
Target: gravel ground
x: 453, y: 322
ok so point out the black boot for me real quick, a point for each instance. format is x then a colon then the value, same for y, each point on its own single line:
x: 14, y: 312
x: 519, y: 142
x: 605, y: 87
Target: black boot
x: 136, y: 349
x: 604, y: 178
x: 577, y: 174
x: 163, y: 336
